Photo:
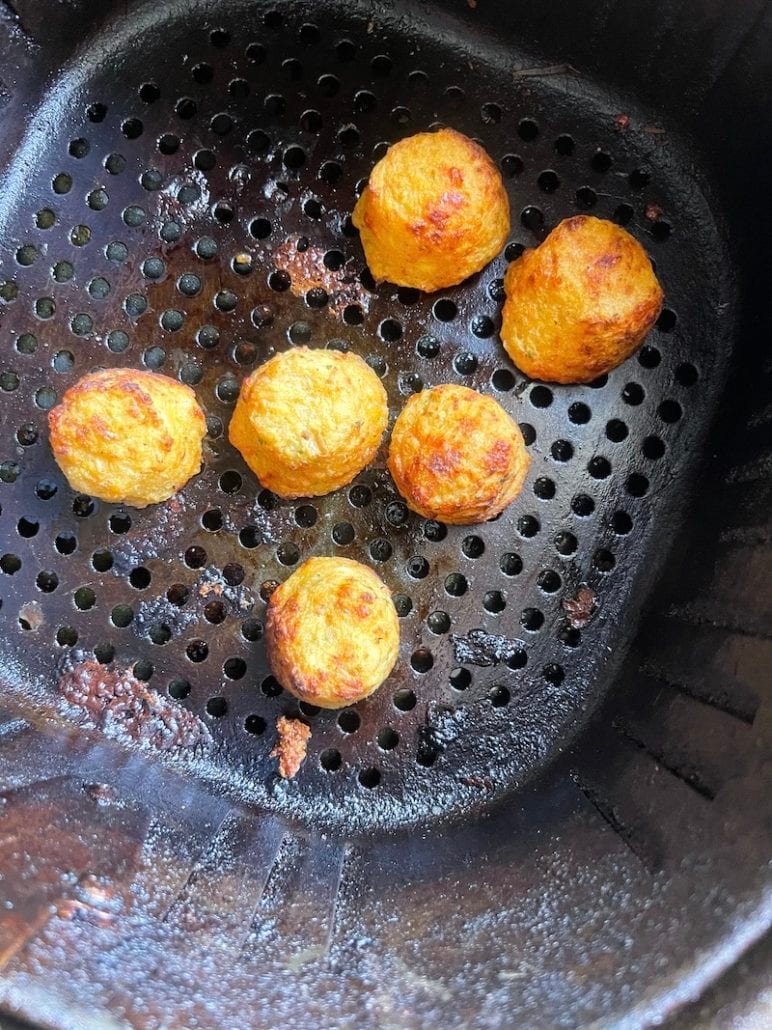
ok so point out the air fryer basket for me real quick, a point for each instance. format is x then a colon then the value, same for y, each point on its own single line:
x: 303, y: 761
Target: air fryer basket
x: 530, y: 823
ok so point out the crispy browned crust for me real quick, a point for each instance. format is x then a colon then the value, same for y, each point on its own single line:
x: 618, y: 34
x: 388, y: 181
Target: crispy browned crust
x: 129, y: 436
x: 332, y: 633
x: 456, y: 455
x: 307, y: 421
x: 434, y: 211
x: 580, y: 303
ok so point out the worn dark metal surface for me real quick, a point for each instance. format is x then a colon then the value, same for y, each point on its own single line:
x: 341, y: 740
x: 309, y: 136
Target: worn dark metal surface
x: 160, y: 227
x: 176, y: 141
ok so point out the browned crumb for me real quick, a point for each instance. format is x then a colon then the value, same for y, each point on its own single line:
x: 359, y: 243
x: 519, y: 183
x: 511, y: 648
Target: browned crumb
x: 652, y: 212
x: 210, y: 588
x: 291, y: 746
x: 581, y: 608
x: 472, y: 4
x: 267, y: 587
x: 654, y: 130
x: 622, y: 122
x: 242, y: 262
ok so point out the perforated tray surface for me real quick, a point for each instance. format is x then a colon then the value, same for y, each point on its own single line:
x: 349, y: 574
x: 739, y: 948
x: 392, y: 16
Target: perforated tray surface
x: 169, y: 151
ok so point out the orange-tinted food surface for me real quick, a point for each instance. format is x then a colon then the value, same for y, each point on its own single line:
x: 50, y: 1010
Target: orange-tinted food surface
x: 580, y: 303
x: 456, y: 455
x: 128, y: 436
x: 307, y: 421
x: 291, y: 745
x: 332, y: 633
x: 434, y: 211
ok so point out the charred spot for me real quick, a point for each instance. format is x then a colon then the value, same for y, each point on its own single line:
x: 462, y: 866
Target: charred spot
x: 444, y: 461
x: 608, y: 260
x: 499, y: 456
x: 478, y: 647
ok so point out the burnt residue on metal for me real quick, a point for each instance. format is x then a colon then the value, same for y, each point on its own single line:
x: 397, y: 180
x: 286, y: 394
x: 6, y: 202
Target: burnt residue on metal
x: 480, y: 648
x: 124, y: 709
x: 95, y: 900
x: 443, y: 725
x: 213, y: 584
x: 149, y: 537
x: 307, y: 267
x: 31, y: 616
x: 102, y: 793
x: 160, y: 611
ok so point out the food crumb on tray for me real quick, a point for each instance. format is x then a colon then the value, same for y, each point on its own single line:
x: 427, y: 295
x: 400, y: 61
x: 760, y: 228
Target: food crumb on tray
x: 291, y: 746
x: 581, y: 608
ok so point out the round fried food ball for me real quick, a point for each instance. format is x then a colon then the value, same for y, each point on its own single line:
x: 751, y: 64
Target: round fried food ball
x: 580, y: 303
x: 434, y: 211
x: 307, y: 421
x: 456, y: 455
x: 332, y: 633
x: 127, y: 436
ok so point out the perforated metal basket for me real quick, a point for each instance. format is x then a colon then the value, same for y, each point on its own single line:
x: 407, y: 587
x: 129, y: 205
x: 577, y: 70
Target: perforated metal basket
x: 510, y: 828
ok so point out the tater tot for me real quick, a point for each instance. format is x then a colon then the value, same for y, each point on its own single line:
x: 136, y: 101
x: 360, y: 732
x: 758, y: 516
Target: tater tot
x: 332, y: 633
x: 434, y: 211
x: 580, y: 303
x: 127, y: 436
x: 307, y: 421
x: 456, y: 455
